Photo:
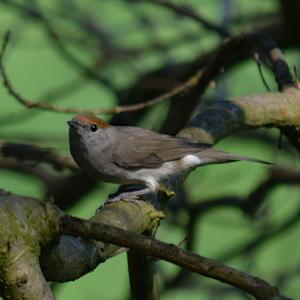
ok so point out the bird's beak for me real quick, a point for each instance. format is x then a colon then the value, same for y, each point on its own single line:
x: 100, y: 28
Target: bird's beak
x: 72, y: 124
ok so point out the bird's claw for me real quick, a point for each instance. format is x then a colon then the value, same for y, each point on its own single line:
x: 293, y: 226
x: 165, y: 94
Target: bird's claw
x: 167, y: 191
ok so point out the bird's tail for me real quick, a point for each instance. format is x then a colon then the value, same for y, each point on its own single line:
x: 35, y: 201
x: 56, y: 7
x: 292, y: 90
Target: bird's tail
x: 214, y: 156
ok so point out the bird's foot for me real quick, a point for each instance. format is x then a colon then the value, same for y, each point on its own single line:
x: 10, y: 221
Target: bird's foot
x: 167, y: 191
x: 127, y: 193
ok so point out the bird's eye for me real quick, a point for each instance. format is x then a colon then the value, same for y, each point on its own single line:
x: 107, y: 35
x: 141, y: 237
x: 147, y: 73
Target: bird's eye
x: 94, y: 127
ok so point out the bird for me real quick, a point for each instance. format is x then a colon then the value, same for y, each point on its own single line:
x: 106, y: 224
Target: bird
x: 130, y: 155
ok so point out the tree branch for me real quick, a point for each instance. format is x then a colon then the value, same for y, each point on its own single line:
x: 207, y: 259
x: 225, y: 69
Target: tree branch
x: 191, y: 82
x: 151, y: 247
x: 131, y: 215
x: 243, y: 113
x: 186, y: 11
x: 26, y: 224
x: 25, y: 152
x: 142, y: 275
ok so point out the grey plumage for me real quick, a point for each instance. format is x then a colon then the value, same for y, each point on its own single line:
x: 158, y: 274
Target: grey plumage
x: 133, y: 155
x: 142, y: 148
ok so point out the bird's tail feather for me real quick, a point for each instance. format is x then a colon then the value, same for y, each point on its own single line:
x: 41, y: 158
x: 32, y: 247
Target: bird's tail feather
x: 214, y: 156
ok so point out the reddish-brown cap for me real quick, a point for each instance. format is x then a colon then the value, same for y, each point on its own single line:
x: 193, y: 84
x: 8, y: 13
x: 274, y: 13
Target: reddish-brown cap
x: 90, y: 119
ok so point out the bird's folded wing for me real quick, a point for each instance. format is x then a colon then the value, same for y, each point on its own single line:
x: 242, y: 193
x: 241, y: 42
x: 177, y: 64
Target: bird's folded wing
x: 147, y: 149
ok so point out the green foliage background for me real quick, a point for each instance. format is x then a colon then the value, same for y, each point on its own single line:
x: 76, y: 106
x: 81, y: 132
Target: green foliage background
x: 36, y: 67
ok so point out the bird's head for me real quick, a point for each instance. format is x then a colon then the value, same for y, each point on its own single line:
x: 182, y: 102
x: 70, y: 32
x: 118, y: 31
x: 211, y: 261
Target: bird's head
x: 87, y: 127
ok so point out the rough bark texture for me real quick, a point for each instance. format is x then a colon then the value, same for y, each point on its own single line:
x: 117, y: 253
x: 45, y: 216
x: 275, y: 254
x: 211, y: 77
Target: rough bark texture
x: 242, y: 113
x: 26, y: 225
x: 76, y: 257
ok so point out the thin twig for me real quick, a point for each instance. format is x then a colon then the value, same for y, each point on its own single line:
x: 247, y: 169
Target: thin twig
x: 259, y: 66
x: 188, y: 12
x: 25, y: 152
x: 117, y: 109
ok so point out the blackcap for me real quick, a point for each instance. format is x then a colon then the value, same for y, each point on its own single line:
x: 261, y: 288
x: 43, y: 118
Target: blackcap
x: 132, y: 155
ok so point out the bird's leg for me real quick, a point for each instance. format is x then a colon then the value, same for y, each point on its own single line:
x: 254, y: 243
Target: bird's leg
x: 127, y: 191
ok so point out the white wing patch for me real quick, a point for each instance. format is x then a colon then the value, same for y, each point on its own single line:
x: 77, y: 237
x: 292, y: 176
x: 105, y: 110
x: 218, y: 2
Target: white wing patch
x: 191, y: 160
x: 153, y: 177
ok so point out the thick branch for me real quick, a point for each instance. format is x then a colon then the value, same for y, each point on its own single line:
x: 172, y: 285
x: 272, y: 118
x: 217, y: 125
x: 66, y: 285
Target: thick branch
x: 191, y: 261
x: 76, y: 257
x: 26, y: 225
x: 247, y: 112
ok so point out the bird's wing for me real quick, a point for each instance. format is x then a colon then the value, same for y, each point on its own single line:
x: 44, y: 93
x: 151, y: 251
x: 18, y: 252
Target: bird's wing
x: 141, y: 148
